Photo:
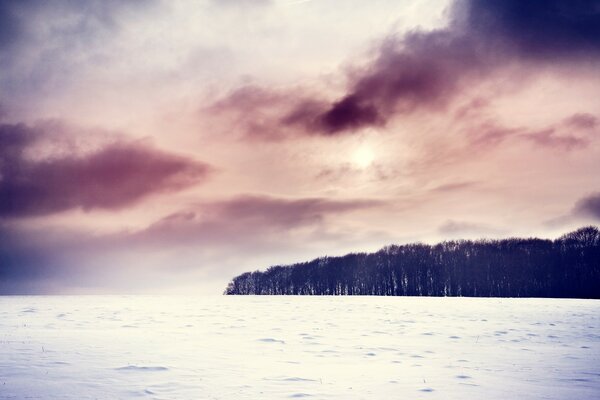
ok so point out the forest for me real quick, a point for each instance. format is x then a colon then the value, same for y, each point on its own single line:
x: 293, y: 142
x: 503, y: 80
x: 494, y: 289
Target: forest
x: 568, y: 267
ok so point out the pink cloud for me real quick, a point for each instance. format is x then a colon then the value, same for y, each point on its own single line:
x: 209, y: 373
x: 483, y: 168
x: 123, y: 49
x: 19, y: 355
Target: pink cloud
x: 111, y: 177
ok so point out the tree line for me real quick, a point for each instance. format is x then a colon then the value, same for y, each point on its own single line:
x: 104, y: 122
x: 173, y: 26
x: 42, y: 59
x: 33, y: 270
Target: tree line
x: 566, y: 267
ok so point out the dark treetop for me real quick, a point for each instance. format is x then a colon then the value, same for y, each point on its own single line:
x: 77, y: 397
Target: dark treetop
x: 566, y: 267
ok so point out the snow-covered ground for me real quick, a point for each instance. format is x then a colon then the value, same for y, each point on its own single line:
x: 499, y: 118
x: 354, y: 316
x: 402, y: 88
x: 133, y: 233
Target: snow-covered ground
x: 121, y: 347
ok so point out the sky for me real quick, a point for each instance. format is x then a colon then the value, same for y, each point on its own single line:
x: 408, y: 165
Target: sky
x: 158, y: 146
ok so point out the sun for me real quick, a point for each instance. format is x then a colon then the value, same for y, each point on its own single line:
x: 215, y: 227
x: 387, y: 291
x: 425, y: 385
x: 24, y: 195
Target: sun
x: 363, y: 156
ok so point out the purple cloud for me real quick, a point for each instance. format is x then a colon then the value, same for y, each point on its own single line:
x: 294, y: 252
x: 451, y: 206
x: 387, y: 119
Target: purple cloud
x: 549, y: 138
x: 588, y: 206
x: 252, y: 226
x: 535, y: 29
x: 111, y: 177
x: 571, y: 133
x: 427, y: 70
x: 582, y: 121
x: 245, y: 218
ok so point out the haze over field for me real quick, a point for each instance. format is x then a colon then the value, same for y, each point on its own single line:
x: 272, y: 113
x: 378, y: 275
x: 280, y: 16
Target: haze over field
x: 167, y: 146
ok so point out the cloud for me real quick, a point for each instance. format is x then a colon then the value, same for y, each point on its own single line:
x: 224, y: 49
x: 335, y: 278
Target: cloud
x: 479, y: 137
x: 549, y: 138
x: 241, y: 3
x: 113, y: 176
x: 588, y: 206
x: 455, y: 186
x: 248, y: 218
x: 252, y: 110
x: 586, y: 209
x: 32, y: 258
x: 255, y: 223
x: 537, y: 29
x: 426, y: 70
x: 573, y: 132
x: 582, y: 121
x: 453, y: 228
x: 23, y: 21
x: 44, y: 45
x: 287, y: 212
x: 213, y: 238
x: 347, y: 113
x: 421, y: 70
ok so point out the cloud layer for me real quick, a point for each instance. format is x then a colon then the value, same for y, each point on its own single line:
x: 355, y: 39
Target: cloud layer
x: 110, y: 177
x: 251, y: 224
x: 588, y: 206
x: 426, y: 70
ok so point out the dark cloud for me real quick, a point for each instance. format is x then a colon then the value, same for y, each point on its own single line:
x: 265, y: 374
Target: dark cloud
x: 349, y: 113
x: 31, y: 260
x: 418, y: 71
x: 427, y: 70
x: 585, y: 209
x: 9, y: 26
x: 110, y: 177
x: 534, y: 29
x: 588, y: 206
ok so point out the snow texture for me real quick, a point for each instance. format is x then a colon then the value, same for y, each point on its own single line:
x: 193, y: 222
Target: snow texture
x: 245, y: 347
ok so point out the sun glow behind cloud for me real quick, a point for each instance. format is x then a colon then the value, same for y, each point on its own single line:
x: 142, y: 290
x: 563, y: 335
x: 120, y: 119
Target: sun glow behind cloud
x: 363, y: 156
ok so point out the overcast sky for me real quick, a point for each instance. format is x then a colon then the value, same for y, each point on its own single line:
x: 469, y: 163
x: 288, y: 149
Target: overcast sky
x: 166, y: 146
